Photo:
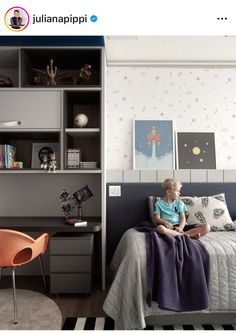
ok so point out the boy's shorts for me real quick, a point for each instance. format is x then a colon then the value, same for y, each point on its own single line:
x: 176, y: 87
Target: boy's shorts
x: 187, y: 226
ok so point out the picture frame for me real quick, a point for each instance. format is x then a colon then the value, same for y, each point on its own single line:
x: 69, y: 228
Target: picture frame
x: 44, y: 147
x: 153, y: 144
x: 195, y: 150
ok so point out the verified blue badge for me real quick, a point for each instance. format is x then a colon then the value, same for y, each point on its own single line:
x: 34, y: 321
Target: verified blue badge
x: 93, y: 18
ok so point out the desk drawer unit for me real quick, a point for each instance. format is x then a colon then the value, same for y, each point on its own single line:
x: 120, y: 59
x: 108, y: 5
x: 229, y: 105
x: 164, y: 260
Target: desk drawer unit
x: 71, y: 263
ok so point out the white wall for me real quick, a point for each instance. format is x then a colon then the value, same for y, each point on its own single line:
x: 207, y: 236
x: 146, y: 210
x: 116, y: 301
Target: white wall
x: 196, y: 99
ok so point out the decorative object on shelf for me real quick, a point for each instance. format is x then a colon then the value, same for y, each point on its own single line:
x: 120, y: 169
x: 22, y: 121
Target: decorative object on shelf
x: 48, y: 162
x: 52, y: 165
x: 5, y: 81
x: 63, y: 76
x: 76, y: 76
x: 44, y: 162
x: 41, y: 155
x: 81, y: 120
x: 196, y: 150
x: 17, y: 165
x: 73, y: 157
x: 50, y: 73
x: 88, y: 165
x: 153, y: 147
x: 84, y: 74
x: 78, y: 199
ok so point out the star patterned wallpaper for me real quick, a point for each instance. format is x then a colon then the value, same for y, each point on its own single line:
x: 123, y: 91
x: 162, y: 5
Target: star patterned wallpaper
x: 196, y: 99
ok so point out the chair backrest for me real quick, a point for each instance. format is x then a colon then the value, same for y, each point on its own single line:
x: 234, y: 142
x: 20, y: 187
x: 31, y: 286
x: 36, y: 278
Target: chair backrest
x: 17, y: 248
x: 40, y: 245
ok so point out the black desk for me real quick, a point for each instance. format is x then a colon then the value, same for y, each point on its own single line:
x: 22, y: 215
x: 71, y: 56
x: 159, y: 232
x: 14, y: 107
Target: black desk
x: 48, y: 224
x: 70, y: 248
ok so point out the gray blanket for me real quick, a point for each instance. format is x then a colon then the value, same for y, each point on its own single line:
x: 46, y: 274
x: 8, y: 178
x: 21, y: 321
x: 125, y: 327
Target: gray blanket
x: 126, y: 299
x: 177, y: 271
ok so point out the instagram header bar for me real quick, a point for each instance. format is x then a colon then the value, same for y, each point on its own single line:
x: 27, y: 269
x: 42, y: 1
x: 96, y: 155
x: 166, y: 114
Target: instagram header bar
x: 123, y: 17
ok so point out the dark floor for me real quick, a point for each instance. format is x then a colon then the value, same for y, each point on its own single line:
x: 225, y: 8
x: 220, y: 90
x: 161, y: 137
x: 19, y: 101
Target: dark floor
x: 70, y: 305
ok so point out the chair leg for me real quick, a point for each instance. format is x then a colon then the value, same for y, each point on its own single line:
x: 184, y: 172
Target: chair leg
x: 14, y: 295
x: 2, y: 268
x: 42, y: 270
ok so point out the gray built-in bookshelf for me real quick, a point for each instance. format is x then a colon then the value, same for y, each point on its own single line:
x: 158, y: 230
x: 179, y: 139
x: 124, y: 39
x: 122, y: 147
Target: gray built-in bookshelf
x: 35, y: 111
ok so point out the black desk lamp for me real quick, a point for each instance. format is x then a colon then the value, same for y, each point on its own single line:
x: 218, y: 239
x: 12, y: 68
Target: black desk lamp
x: 80, y: 196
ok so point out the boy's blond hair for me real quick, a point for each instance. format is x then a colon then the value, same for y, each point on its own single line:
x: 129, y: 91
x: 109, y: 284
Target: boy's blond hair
x: 170, y: 184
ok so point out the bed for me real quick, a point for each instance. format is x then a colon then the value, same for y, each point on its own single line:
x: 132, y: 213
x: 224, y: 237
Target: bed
x: 126, y: 300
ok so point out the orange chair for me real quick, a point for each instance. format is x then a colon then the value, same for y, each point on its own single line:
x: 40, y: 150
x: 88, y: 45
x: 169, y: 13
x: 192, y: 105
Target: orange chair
x: 16, y: 249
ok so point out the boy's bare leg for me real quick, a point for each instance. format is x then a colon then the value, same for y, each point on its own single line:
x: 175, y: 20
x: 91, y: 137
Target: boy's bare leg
x: 199, y: 231
x: 161, y: 229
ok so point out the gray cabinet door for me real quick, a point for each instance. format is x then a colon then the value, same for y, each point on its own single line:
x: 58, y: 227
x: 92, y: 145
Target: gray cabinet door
x: 30, y: 109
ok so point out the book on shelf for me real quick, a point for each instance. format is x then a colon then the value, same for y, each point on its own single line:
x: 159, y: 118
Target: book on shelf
x: 7, y: 156
x: 88, y: 165
x: 76, y: 223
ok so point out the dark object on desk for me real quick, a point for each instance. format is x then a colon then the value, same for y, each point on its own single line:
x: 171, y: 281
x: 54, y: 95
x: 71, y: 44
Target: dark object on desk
x: 80, y: 196
x: 75, y: 223
x: 78, y: 199
x: 5, y: 81
x: 66, y: 203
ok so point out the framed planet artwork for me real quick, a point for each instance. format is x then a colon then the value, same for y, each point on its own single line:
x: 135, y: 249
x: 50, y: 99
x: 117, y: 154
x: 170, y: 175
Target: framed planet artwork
x: 153, y: 147
x: 196, y: 150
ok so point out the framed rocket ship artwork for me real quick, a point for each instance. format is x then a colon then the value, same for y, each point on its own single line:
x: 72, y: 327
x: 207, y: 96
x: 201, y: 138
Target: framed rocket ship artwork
x: 153, y: 144
x: 196, y: 150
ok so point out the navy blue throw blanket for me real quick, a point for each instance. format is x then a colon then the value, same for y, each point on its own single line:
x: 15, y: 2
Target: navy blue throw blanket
x: 177, y: 271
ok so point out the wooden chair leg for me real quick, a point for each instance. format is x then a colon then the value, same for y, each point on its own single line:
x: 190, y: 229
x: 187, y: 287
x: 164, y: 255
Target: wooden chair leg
x: 42, y: 270
x: 14, y: 295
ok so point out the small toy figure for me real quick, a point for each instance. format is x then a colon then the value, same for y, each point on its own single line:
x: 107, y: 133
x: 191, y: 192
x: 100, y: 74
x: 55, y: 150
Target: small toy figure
x: 44, y: 163
x: 5, y: 81
x: 50, y: 73
x: 52, y: 165
x: 84, y: 74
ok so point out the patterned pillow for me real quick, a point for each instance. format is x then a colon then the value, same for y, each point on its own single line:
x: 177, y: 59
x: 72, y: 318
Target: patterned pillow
x: 212, y: 210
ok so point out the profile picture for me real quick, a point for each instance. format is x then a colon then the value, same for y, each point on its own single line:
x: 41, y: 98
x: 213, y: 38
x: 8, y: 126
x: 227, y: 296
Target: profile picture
x: 16, y: 19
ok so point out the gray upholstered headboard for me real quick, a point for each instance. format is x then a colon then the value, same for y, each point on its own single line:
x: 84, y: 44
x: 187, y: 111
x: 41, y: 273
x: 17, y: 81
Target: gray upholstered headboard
x: 132, y: 207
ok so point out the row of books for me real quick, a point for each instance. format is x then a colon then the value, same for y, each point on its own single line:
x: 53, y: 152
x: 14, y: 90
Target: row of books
x: 8, y: 158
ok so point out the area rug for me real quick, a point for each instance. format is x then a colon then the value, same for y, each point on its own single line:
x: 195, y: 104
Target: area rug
x: 107, y: 323
x: 35, y: 311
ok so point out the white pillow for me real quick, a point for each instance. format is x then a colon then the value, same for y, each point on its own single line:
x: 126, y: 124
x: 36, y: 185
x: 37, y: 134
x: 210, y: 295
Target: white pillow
x: 212, y: 210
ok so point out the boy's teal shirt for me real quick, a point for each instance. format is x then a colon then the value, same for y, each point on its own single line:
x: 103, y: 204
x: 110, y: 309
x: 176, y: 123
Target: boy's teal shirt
x: 170, y: 211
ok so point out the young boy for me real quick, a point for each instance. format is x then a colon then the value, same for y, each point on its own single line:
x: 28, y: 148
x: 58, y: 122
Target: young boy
x: 170, y: 213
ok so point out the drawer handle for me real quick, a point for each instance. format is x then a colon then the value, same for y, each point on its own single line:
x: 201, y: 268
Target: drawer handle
x: 10, y: 123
